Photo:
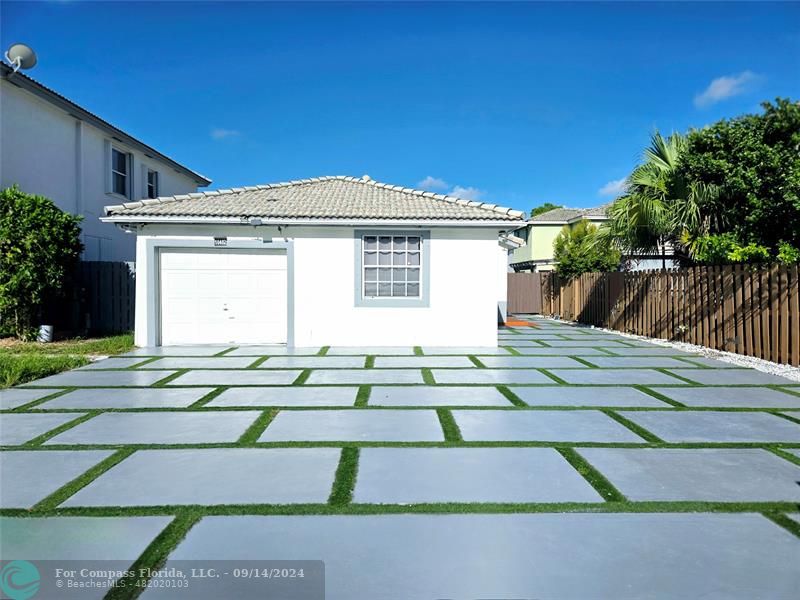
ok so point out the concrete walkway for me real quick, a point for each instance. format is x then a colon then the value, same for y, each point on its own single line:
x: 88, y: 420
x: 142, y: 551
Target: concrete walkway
x: 566, y: 463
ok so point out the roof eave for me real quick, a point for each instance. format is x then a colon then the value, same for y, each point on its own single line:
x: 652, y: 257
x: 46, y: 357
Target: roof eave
x: 24, y: 82
x: 194, y: 220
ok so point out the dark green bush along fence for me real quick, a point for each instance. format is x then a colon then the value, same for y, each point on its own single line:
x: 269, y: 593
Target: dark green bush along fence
x: 747, y: 309
x: 100, y: 299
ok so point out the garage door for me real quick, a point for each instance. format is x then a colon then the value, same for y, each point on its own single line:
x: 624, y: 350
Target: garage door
x: 217, y: 296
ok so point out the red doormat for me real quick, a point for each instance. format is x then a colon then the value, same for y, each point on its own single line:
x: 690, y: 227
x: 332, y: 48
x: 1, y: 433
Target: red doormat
x: 517, y: 323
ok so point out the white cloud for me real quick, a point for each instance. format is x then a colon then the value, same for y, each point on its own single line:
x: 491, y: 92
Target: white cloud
x: 433, y: 183
x: 219, y: 133
x: 467, y: 193
x: 615, y: 187
x: 726, y: 87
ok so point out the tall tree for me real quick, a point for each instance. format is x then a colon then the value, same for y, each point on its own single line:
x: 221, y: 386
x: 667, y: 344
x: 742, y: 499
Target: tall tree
x: 576, y: 251
x: 754, y: 160
x: 660, y: 206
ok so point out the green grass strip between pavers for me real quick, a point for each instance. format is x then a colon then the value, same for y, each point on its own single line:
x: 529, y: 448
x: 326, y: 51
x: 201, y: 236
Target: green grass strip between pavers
x: 634, y: 427
x: 345, y: 481
x: 594, y: 477
x: 258, y: 426
x: 449, y: 426
x: 72, y: 487
x: 154, y: 557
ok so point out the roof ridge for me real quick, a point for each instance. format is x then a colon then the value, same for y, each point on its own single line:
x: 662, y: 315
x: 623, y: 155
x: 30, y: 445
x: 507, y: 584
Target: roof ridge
x: 293, y: 182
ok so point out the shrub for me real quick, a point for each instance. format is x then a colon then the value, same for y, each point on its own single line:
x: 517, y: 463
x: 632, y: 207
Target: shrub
x: 578, y: 250
x: 788, y: 254
x: 724, y: 248
x: 39, y: 245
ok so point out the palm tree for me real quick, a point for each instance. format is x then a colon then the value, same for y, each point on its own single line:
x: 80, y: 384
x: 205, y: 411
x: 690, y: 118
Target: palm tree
x: 660, y: 207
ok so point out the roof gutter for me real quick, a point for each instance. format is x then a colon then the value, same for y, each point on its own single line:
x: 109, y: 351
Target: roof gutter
x: 37, y: 89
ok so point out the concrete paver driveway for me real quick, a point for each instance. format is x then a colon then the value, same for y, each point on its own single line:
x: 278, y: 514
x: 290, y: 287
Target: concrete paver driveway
x: 566, y: 463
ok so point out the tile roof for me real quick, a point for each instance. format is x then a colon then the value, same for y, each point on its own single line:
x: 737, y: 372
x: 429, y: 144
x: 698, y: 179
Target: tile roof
x: 318, y: 198
x: 569, y: 214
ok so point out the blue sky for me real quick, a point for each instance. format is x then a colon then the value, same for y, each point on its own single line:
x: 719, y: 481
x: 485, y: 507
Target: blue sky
x: 516, y: 104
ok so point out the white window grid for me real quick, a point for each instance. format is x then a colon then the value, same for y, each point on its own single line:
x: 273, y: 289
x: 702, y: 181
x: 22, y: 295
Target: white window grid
x: 391, y: 266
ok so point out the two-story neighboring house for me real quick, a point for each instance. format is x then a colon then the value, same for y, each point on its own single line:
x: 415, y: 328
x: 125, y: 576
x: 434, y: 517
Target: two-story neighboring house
x: 541, y: 231
x: 52, y: 147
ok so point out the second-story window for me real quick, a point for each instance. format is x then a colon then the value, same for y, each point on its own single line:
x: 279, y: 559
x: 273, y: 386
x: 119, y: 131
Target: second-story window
x: 120, y: 172
x: 152, y: 183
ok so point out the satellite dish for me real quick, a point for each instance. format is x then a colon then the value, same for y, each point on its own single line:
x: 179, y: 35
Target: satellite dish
x: 21, y: 56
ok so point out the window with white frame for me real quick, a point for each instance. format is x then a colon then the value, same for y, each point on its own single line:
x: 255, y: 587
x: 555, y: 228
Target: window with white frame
x: 120, y: 172
x: 391, y: 266
x: 152, y: 183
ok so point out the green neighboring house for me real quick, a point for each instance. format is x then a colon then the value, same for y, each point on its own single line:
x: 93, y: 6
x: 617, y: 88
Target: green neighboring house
x: 541, y: 231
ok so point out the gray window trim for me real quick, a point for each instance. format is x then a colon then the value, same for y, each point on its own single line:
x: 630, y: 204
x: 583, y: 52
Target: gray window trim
x: 425, y: 277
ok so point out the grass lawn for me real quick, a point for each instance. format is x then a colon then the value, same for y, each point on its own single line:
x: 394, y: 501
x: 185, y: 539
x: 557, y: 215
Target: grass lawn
x: 21, y: 362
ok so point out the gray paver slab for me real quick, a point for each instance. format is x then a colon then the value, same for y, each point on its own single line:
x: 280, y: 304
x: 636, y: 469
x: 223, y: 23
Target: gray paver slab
x: 729, y: 376
x: 236, y: 377
x: 28, y: 476
x: 478, y: 350
x: 10, y: 399
x: 541, y: 426
x: 716, y: 426
x: 355, y: 425
x: 712, y: 363
x: 626, y: 362
x: 18, y: 428
x: 161, y: 427
x: 374, y: 350
x: 177, y: 351
x: 703, y: 474
x: 586, y: 396
x: 586, y: 343
x: 560, y: 351
x: 80, y: 378
x: 416, y: 475
x: 117, y: 362
x: 91, y: 398
x: 649, y: 351
x: 491, y: 376
x: 531, y: 362
x: 314, y: 362
x: 436, y: 396
x: 574, y: 555
x: 416, y: 362
x: 215, y: 476
x: 79, y: 538
x: 615, y: 376
x: 522, y: 343
x: 287, y: 396
x: 737, y: 397
x: 201, y: 362
x: 364, y: 376
x: 796, y: 452
x: 274, y: 351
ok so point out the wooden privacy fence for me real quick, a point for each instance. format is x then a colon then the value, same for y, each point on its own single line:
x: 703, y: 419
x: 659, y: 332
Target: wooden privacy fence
x: 750, y: 310
x: 100, y: 300
x: 524, y: 293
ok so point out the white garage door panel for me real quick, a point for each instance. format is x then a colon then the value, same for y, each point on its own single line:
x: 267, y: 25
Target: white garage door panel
x: 223, y: 297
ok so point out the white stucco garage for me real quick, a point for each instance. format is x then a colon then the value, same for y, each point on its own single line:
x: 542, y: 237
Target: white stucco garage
x: 326, y: 261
